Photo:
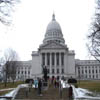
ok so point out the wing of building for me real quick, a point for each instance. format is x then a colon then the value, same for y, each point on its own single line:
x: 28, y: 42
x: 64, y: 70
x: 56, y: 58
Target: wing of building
x: 58, y: 59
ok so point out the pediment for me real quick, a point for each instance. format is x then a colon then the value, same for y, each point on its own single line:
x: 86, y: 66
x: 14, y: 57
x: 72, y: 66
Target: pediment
x: 53, y: 45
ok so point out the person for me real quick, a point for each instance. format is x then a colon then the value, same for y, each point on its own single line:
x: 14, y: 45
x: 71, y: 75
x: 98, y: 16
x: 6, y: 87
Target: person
x: 60, y: 88
x: 39, y: 87
x: 70, y: 90
x: 30, y: 85
x: 36, y: 83
x: 26, y: 91
x: 55, y: 83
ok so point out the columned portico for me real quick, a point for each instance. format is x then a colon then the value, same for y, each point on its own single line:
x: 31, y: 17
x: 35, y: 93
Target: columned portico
x: 54, y: 61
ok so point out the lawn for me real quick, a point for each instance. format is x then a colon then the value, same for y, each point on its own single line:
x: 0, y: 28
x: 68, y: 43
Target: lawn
x: 92, y: 85
x: 9, y: 85
x: 4, y: 92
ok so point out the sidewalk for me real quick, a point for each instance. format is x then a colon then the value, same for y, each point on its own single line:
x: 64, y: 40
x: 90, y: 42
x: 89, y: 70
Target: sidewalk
x: 7, y: 89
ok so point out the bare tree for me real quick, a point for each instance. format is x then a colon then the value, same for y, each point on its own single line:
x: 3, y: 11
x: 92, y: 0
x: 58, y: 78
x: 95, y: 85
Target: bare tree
x: 6, y: 8
x: 94, y: 35
x: 10, y: 64
x: 13, y: 68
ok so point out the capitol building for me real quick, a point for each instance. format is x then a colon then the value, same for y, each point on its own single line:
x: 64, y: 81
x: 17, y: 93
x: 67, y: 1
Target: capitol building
x: 58, y: 59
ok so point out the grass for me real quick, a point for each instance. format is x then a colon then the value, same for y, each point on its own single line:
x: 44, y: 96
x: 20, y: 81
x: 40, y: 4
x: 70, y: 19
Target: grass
x: 9, y: 85
x: 92, y: 85
x: 4, y: 92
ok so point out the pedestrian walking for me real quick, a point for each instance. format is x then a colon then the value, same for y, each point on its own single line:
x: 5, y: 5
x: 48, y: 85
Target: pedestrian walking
x: 70, y: 92
x: 39, y: 87
x: 36, y: 83
x: 55, y: 83
x: 26, y: 92
x: 30, y: 85
x: 60, y: 88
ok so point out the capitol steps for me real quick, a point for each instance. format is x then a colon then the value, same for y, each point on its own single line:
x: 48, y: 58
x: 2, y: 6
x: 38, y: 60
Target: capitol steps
x: 50, y: 94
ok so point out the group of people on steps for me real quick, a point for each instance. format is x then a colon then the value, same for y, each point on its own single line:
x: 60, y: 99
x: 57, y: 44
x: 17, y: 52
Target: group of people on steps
x: 57, y: 83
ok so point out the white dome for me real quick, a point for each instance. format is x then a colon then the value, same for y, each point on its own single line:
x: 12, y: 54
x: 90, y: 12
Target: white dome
x: 53, y: 25
x: 53, y: 32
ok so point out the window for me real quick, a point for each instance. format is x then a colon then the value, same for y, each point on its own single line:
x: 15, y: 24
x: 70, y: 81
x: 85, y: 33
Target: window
x: 79, y: 72
x: 86, y: 76
x: 57, y: 71
x: 22, y: 72
x: 18, y: 72
x: 48, y: 71
x: 93, y: 76
x: 62, y: 59
x: 62, y: 71
x: 92, y: 71
x: 96, y: 71
x: 25, y: 72
x: 82, y: 72
x: 28, y: 72
x: 52, y: 71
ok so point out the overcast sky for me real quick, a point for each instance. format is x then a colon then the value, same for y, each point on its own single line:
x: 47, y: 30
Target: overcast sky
x: 32, y: 17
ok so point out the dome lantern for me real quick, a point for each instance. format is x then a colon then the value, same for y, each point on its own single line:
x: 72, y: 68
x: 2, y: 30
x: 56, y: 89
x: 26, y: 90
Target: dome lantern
x: 53, y: 17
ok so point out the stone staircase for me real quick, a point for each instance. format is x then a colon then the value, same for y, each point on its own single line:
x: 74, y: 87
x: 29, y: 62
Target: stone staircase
x: 50, y: 94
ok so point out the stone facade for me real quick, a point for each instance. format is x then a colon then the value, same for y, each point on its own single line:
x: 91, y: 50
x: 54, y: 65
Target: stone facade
x: 54, y: 54
x: 87, y: 69
x: 23, y: 70
x: 58, y: 59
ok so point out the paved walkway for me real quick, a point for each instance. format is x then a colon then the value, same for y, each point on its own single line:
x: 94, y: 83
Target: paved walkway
x: 7, y: 89
x: 50, y: 94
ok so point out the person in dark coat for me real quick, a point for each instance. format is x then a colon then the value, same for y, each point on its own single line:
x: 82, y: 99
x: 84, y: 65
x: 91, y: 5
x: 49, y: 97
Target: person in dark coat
x: 70, y: 92
x: 60, y: 88
x: 39, y: 87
